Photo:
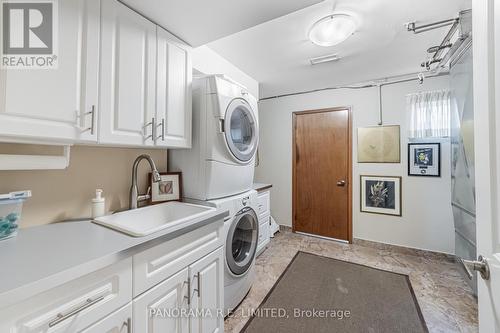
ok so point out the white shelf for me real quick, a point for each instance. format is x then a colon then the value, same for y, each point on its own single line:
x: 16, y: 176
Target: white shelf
x: 35, y: 162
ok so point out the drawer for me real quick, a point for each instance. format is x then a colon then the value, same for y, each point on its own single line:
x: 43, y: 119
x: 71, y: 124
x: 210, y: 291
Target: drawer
x: 156, y: 264
x: 73, y: 305
x: 263, y: 233
x: 119, y: 321
x: 263, y: 203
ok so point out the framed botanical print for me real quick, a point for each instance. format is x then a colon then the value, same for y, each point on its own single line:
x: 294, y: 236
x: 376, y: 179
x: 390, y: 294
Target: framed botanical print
x: 169, y: 188
x: 424, y: 159
x: 381, y: 195
x: 379, y: 144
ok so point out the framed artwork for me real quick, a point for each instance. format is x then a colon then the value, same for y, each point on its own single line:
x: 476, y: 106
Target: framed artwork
x: 381, y: 195
x: 379, y: 144
x: 424, y: 159
x: 169, y: 188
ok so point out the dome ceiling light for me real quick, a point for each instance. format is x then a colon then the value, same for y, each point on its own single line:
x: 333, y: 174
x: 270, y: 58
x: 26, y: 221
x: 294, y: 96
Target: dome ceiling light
x: 332, y: 29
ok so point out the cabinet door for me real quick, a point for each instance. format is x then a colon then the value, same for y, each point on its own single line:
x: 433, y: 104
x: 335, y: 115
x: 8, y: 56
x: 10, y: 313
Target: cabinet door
x: 119, y: 321
x: 55, y: 105
x: 173, y: 107
x: 159, y: 309
x: 128, y: 75
x: 207, y: 281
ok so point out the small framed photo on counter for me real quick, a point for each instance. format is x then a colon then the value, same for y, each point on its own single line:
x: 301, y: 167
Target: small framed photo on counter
x: 169, y: 188
x: 424, y: 159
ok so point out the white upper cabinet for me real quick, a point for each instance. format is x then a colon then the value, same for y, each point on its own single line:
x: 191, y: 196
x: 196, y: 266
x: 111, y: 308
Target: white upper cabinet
x: 173, y: 92
x: 128, y: 77
x: 57, y: 105
x: 121, y: 81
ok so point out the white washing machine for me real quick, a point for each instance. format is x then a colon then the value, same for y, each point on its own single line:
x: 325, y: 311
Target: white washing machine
x: 225, y: 140
x: 241, y: 230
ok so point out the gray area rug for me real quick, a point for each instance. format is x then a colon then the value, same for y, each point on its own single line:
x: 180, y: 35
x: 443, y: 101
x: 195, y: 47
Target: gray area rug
x: 318, y: 294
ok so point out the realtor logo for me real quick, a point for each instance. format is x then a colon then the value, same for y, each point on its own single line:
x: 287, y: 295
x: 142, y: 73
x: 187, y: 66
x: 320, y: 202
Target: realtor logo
x: 29, y: 34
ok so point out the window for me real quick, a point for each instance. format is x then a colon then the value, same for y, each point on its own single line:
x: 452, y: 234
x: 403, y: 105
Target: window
x: 429, y: 114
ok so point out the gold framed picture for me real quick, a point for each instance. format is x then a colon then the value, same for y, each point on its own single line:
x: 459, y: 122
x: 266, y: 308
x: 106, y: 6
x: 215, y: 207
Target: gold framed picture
x: 379, y: 144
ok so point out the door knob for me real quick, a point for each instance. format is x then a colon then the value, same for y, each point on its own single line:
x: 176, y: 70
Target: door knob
x: 480, y: 265
x: 341, y: 183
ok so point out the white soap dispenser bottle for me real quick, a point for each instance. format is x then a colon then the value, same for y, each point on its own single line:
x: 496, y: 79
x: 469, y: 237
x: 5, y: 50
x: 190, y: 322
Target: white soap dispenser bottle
x: 98, y: 204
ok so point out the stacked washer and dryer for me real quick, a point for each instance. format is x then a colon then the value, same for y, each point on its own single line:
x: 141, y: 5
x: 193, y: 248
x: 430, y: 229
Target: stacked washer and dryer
x: 218, y: 170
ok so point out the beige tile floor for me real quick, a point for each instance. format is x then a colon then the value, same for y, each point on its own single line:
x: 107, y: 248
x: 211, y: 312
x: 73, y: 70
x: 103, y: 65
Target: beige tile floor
x: 446, y: 300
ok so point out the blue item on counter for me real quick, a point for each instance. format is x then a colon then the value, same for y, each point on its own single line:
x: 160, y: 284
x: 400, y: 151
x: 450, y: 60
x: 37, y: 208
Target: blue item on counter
x: 12, y: 217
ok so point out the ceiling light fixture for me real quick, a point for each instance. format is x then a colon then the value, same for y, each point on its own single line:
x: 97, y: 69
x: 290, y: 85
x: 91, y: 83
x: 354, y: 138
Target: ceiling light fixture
x: 323, y: 59
x: 332, y: 29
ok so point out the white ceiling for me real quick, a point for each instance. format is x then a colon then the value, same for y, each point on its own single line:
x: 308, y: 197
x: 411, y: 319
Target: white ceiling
x: 198, y: 22
x: 277, y: 53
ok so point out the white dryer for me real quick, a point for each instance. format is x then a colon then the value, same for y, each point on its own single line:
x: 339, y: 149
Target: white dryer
x: 241, y: 231
x: 225, y: 140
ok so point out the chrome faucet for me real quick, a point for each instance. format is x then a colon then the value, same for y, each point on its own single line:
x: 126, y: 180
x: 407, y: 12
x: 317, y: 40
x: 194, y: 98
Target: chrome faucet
x: 135, y: 197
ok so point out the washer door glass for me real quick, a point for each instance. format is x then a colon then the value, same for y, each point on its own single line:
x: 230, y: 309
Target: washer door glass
x: 240, y: 127
x: 242, y: 241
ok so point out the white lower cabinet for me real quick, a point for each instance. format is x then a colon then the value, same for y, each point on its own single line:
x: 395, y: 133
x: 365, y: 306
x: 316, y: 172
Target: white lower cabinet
x: 74, y: 305
x: 264, y: 212
x: 119, y: 321
x: 207, y: 297
x: 189, y: 301
x: 160, y: 309
x: 181, y: 292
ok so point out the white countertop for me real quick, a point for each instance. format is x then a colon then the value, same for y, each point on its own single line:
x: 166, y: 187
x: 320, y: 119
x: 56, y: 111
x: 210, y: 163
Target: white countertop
x: 44, y: 257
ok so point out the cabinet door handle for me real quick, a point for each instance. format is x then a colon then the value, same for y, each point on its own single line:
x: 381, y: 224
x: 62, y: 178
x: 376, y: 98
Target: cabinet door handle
x: 162, y: 124
x: 63, y: 316
x: 188, y: 297
x: 198, y: 282
x: 90, y: 113
x: 153, y: 129
x: 128, y: 324
x: 92, y: 119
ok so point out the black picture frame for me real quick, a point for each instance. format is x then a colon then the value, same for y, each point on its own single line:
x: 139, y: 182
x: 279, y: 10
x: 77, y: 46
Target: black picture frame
x: 435, y: 169
x: 397, y: 195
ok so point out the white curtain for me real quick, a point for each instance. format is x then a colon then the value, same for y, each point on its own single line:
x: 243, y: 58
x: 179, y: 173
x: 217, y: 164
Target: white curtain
x: 429, y: 114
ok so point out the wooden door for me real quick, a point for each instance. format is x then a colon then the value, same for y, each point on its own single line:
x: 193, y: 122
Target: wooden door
x: 322, y: 173
x: 56, y: 105
x: 128, y: 77
x: 173, y: 96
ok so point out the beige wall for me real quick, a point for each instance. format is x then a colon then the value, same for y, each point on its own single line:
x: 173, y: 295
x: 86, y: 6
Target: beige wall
x: 66, y: 194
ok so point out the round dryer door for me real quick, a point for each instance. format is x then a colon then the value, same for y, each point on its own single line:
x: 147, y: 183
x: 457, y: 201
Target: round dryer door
x: 241, y: 242
x: 241, y: 130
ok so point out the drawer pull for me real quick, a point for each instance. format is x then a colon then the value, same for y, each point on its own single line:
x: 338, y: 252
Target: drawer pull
x: 62, y: 317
